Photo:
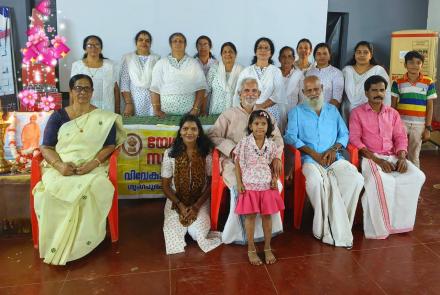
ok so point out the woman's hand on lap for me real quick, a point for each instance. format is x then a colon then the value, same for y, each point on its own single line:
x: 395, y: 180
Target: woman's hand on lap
x: 66, y: 169
x: 86, y: 167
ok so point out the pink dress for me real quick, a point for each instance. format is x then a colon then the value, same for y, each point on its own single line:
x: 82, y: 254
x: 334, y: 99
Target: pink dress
x: 256, y: 176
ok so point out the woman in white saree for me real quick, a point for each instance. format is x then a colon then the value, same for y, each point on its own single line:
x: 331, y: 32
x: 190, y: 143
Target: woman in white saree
x: 136, y: 71
x: 74, y: 196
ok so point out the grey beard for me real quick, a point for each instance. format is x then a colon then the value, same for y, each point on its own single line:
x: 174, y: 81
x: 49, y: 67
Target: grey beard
x: 315, y: 104
x: 245, y: 103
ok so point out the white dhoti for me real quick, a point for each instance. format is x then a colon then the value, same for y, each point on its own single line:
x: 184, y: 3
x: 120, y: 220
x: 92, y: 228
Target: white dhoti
x: 390, y: 199
x: 234, y: 230
x: 334, y: 193
x: 199, y: 230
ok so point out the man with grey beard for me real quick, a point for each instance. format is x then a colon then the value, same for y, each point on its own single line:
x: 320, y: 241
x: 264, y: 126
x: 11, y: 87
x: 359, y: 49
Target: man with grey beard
x: 228, y: 130
x: 333, y: 184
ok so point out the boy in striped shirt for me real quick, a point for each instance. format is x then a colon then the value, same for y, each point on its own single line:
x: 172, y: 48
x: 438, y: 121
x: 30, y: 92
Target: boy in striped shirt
x: 412, y: 96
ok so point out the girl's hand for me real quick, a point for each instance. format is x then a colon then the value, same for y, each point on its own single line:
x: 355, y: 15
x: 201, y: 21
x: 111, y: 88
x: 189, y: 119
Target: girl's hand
x: 86, y: 167
x: 240, y: 187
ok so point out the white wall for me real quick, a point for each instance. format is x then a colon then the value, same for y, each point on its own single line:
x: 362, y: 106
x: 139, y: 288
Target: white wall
x: 239, y: 21
x: 434, y: 15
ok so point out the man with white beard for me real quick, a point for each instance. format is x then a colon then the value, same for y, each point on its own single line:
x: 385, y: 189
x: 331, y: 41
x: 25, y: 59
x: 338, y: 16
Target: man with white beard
x: 333, y: 184
x: 228, y: 130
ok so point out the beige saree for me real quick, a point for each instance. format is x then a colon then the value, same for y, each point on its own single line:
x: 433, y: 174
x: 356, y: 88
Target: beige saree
x: 72, y: 210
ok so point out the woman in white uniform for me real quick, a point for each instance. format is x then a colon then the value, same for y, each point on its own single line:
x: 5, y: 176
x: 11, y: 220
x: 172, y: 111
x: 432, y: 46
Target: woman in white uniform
x: 270, y: 81
x: 136, y: 71
x: 103, y: 72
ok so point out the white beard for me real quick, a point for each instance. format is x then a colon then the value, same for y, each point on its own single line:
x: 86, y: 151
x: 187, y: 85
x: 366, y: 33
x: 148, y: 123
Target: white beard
x: 248, y: 102
x: 315, y: 103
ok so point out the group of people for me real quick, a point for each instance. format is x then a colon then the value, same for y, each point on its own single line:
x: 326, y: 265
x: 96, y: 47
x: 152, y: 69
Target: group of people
x: 145, y: 84
x: 261, y: 109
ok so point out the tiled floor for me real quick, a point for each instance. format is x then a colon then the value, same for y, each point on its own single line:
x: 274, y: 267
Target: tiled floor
x: 137, y: 264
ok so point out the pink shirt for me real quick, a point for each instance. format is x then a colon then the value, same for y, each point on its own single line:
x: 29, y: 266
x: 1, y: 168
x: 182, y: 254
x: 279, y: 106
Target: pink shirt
x: 255, y: 163
x: 382, y: 133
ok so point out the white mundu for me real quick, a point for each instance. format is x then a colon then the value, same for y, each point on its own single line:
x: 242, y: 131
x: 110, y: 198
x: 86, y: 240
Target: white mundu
x: 390, y: 199
x: 333, y: 193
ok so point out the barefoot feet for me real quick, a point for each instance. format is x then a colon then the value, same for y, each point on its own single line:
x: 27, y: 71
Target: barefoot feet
x: 269, y: 257
x: 253, y: 257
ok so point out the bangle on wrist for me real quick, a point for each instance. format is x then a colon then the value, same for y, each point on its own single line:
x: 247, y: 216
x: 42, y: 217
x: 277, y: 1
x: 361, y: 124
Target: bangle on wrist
x: 55, y: 162
x: 195, y: 108
x: 97, y: 160
x: 128, y: 103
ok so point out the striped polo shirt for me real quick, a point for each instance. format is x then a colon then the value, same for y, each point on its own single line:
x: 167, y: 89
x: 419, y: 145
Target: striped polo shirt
x: 413, y: 97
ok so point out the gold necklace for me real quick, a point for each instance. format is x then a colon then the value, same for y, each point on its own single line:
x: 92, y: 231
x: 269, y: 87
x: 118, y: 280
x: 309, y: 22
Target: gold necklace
x: 81, y: 129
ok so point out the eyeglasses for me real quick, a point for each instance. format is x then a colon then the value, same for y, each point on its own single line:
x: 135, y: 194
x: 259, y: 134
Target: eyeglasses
x: 79, y: 89
x: 93, y: 45
x: 263, y: 48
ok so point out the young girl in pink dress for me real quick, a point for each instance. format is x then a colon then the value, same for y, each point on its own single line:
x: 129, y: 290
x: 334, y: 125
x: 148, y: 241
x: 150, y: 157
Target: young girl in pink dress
x: 256, y: 183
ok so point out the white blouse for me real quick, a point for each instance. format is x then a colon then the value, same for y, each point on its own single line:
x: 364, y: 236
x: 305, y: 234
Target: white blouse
x: 293, y: 84
x: 332, y: 80
x: 177, y: 77
x: 104, y: 79
x: 354, y: 85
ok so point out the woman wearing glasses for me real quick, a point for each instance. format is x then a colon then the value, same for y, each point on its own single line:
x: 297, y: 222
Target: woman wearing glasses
x: 103, y: 73
x: 270, y: 81
x: 74, y: 196
x: 178, y: 84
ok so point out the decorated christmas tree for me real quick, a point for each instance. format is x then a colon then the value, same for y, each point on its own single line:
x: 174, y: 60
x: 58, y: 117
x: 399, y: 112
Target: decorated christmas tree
x: 40, y: 58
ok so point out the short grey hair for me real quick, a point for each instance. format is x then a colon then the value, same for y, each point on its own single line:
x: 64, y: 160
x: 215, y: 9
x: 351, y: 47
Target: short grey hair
x: 247, y: 80
x: 313, y: 78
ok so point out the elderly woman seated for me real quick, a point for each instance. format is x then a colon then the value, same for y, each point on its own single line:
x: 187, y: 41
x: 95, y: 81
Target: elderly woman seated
x: 74, y: 197
x: 186, y: 171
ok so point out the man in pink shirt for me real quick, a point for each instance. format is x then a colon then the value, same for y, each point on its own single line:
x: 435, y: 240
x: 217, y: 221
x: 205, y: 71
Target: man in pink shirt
x: 392, y: 183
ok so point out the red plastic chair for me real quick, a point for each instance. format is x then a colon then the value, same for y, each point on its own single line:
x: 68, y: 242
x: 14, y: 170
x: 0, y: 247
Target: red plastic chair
x: 299, y: 181
x: 113, y: 215
x: 218, y: 189
x: 435, y: 128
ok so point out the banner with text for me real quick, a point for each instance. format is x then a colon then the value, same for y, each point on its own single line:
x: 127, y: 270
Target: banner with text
x: 140, y: 160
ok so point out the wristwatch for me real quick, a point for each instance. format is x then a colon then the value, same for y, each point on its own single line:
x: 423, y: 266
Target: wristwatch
x: 429, y: 128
